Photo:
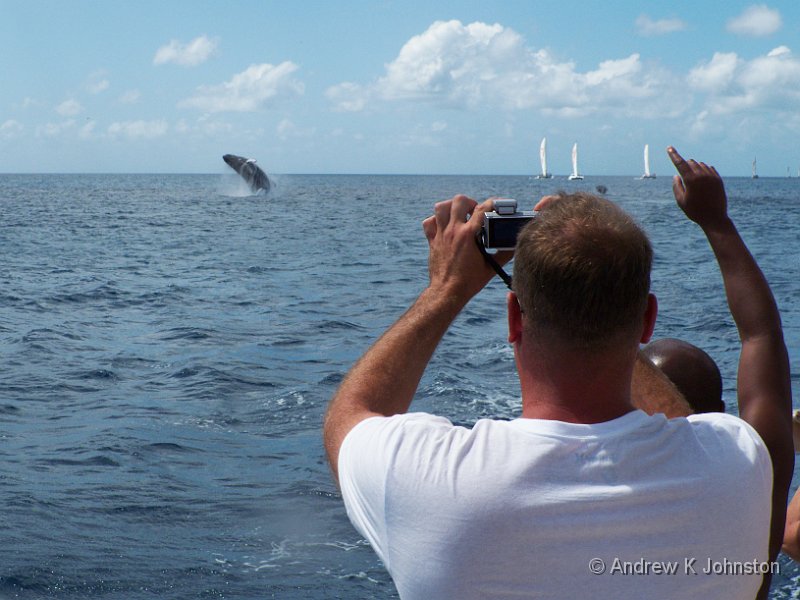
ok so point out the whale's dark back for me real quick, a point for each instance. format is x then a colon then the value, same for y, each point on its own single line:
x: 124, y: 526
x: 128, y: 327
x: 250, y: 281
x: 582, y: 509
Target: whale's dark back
x: 249, y: 170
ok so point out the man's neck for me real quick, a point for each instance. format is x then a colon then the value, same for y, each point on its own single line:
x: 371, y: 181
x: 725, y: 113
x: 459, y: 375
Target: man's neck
x: 573, y: 386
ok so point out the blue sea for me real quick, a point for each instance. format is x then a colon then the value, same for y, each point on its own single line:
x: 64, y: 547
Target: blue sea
x: 170, y: 343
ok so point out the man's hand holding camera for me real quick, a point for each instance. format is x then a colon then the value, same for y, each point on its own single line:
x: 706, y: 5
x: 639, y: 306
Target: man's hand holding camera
x: 455, y: 264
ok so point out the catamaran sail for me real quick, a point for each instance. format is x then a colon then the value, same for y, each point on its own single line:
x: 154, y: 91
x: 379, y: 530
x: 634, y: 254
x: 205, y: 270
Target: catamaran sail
x: 647, y: 173
x: 575, y: 163
x: 543, y: 160
x: 755, y: 175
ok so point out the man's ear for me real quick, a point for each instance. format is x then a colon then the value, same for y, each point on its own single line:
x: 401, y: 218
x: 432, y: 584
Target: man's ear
x: 650, y: 314
x: 514, y: 318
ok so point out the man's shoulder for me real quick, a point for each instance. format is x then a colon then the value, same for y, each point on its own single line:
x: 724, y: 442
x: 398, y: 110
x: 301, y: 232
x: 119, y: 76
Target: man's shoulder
x: 721, y: 428
x: 724, y: 422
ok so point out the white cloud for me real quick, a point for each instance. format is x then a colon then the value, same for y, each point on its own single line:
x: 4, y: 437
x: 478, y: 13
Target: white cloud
x: 739, y: 90
x: 32, y: 103
x: 457, y: 63
x: 645, y: 26
x: 716, y: 75
x: 87, y: 130
x: 256, y: 87
x: 97, y: 82
x: 287, y: 129
x: 130, y: 97
x: 196, y: 52
x: 488, y: 66
x: 69, y: 108
x: 756, y: 21
x: 204, y: 126
x: 348, y: 97
x: 54, y: 129
x: 138, y: 129
x: 10, y: 129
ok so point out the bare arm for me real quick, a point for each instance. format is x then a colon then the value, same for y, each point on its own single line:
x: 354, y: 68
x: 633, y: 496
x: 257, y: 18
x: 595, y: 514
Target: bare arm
x: 384, y: 380
x: 791, y: 535
x: 653, y: 392
x: 763, y: 384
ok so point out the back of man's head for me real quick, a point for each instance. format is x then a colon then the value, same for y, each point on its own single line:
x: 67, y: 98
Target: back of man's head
x: 582, y: 272
x: 692, y: 370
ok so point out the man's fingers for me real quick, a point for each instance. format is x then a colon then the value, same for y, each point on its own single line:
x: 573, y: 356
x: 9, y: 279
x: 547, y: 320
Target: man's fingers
x: 545, y: 201
x: 441, y: 212
x: 461, y: 207
x: 429, y: 227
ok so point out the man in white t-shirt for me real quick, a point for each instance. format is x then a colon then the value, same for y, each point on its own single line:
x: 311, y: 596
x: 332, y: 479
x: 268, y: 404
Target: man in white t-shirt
x: 603, y: 487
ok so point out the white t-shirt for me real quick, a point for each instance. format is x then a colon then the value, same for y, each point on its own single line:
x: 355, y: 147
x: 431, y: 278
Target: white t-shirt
x: 534, y: 508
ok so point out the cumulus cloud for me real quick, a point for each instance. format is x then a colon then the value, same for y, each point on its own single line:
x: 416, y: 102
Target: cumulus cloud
x: 130, y: 97
x: 733, y: 86
x: 715, y: 75
x: 10, y: 129
x: 756, y: 21
x: 97, y: 82
x: 54, y: 129
x: 256, y: 87
x: 645, y: 26
x: 138, y: 129
x: 196, y: 52
x: 481, y: 65
x: 69, y: 108
x: 87, y: 130
x: 348, y: 96
x: 286, y: 129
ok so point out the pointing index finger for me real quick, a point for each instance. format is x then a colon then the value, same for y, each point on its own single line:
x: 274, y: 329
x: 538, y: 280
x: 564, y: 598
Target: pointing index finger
x: 677, y: 160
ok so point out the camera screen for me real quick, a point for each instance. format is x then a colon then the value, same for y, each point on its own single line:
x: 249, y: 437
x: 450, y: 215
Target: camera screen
x: 503, y: 232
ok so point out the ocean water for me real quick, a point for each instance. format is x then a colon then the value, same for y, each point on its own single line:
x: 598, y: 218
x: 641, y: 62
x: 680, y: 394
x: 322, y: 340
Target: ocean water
x: 169, y: 345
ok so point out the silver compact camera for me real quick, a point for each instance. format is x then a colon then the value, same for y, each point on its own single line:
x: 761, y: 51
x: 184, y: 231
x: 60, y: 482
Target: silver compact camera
x: 500, y: 227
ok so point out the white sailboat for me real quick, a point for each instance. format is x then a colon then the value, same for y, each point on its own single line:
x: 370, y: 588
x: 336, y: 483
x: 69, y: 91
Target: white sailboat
x: 543, y: 160
x: 575, y: 174
x: 647, y: 173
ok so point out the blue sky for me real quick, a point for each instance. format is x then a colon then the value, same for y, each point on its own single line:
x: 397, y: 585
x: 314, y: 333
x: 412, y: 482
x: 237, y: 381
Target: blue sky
x: 398, y: 87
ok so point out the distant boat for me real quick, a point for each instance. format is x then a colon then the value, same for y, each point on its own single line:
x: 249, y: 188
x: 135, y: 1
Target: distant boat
x: 647, y: 173
x: 543, y: 160
x: 755, y: 174
x: 575, y: 163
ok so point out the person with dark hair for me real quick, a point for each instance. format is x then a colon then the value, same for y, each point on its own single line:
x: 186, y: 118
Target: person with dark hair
x: 691, y: 369
x: 592, y: 482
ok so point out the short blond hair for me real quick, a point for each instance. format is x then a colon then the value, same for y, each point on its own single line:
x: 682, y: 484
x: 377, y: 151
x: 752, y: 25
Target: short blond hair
x: 582, y: 271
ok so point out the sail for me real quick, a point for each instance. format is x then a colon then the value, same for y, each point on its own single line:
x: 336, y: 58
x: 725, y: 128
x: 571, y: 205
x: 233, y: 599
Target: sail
x: 647, y: 173
x: 575, y: 158
x: 543, y: 156
x: 755, y: 173
x: 543, y: 160
x: 575, y: 163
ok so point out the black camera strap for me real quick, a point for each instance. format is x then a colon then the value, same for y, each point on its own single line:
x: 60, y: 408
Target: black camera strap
x: 492, y: 262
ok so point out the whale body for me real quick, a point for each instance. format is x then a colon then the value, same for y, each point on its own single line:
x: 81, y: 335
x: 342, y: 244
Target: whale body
x: 250, y: 172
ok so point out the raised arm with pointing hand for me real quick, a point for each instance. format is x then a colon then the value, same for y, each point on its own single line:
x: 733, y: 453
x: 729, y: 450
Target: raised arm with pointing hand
x: 763, y: 382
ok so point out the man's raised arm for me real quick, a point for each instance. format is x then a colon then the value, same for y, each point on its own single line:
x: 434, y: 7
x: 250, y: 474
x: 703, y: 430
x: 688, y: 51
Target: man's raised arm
x: 763, y: 386
x: 384, y: 380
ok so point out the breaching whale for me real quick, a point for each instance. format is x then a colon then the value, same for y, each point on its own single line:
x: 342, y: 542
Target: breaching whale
x: 250, y: 172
